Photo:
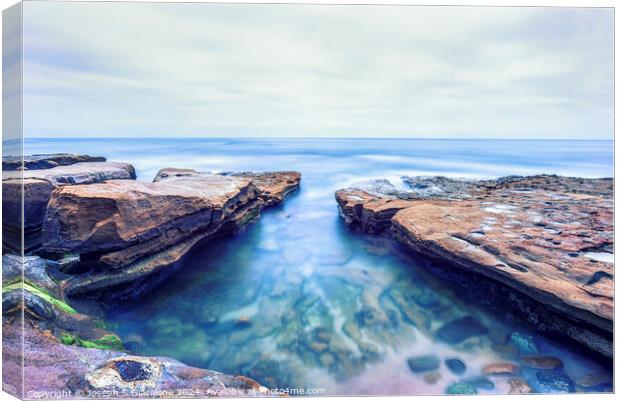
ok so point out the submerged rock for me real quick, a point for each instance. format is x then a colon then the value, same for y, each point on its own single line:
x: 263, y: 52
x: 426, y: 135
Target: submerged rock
x: 461, y: 389
x: 596, y: 380
x: 500, y: 368
x: 460, y: 330
x: 481, y: 383
x: 425, y: 363
x: 555, y: 382
x: 524, y: 343
x: 456, y: 366
x: 542, y: 362
x: 432, y: 377
x: 519, y: 386
x: 536, y: 235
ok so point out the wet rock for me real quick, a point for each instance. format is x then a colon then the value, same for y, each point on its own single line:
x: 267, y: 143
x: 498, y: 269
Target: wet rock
x: 481, y: 383
x: 431, y: 378
x: 128, y: 230
x: 507, y: 351
x: 524, y: 343
x: 33, y: 269
x: 274, y: 186
x: 500, y: 368
x: 519, y: 386
x: 243, y: 322
x: 367, y: 212
x: 555, y: 382
x: 327, y: 359
x: 271, y: 374
x: 461, y: 329
x: 317, y: 347
x: 532, y: 234
x: 593, y: 380
x: 456, y: 366
x: 542, y: 362
x: 425, y: 363
x: 131, y: 370
x: 461, y: 389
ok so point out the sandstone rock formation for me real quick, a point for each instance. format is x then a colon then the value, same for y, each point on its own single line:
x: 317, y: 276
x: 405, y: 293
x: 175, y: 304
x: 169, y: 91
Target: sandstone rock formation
x: 549, y: 238
x: 69, y: 354
x: 110, y: 236
x: 126, y: 230
x: 45, y: 161
x: 37, y: 186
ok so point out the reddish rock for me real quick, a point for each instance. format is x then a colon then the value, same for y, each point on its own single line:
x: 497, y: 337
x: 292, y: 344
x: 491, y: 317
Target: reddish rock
x: 544, y: 236
x: 49, y: 366
x: 128, y: 230
x: 542, y: 361
x: 50, y: 348
x: 500, y: 368
x: 519, y: 386
x: 37, y: 186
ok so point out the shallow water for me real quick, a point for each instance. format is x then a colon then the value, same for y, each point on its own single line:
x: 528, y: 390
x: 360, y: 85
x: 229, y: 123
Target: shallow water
x: 300, y: 301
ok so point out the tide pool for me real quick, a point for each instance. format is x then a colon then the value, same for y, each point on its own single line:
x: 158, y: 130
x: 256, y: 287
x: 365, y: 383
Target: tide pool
x: 300, y: 301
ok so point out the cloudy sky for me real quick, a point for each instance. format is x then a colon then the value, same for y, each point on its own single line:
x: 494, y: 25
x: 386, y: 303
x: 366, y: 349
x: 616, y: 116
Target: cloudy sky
x: 226, y: 70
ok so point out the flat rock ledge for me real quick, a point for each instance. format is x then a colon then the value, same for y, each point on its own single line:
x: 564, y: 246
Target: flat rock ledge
x: 550, y: 238
x: 45, y: 161
x: 106, y: 236
x: 66, y: 354
x: 127, y: 231
x: 37, y: 187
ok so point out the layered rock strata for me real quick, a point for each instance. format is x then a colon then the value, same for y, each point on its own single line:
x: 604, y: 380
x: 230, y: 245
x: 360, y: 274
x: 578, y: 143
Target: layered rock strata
x: 36, y: 186
x: 109, y: 236
x: 65, y: 354
x: 45, y: 161
x: 126, y: 231
x: 549, y: 238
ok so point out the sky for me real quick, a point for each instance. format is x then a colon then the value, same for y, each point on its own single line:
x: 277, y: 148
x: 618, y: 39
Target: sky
x: 234, y: 70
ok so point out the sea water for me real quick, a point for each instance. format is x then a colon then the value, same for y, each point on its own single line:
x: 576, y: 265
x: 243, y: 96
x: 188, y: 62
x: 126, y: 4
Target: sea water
x: 299, y: 301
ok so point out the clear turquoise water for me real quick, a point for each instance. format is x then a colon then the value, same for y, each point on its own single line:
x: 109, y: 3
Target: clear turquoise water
x: 300, y: 301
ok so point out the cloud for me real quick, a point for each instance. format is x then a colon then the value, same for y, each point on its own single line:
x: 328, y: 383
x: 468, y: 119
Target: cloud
x: 157, y: 69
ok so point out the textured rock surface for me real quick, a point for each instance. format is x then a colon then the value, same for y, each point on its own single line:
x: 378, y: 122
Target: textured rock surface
x: 37, y: 188
x: 125, y: 231
x: 69, y: 352
x: 548, y: 237
x: 45, y: 161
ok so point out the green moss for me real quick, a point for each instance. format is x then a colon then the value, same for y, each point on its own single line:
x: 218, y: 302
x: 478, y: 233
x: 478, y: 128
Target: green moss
x: 41, y: 294
x: 107, y: 342
x: 67, y: 339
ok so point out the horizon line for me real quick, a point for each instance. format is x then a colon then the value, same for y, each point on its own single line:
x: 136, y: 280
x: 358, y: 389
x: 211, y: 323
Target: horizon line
x: 313, y: 138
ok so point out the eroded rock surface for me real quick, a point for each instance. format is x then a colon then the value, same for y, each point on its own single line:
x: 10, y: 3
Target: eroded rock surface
x: 125, y: 230
x: 37, y: 187
x: 45, y: 161
x: 548, y: 237
x: 69, y: 355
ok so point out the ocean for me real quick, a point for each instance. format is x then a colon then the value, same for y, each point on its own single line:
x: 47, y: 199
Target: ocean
x: 266, y: 302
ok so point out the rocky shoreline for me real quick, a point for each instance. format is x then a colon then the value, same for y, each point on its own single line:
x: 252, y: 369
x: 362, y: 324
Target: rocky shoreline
x: 93, y: 231
x: 548, y: 239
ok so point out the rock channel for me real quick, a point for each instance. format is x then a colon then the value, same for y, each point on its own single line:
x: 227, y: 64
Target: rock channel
x: 547, y: 238
x: 94, y: 231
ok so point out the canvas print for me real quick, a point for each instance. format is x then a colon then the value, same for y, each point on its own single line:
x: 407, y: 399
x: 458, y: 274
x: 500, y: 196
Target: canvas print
x: 205, y: 200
